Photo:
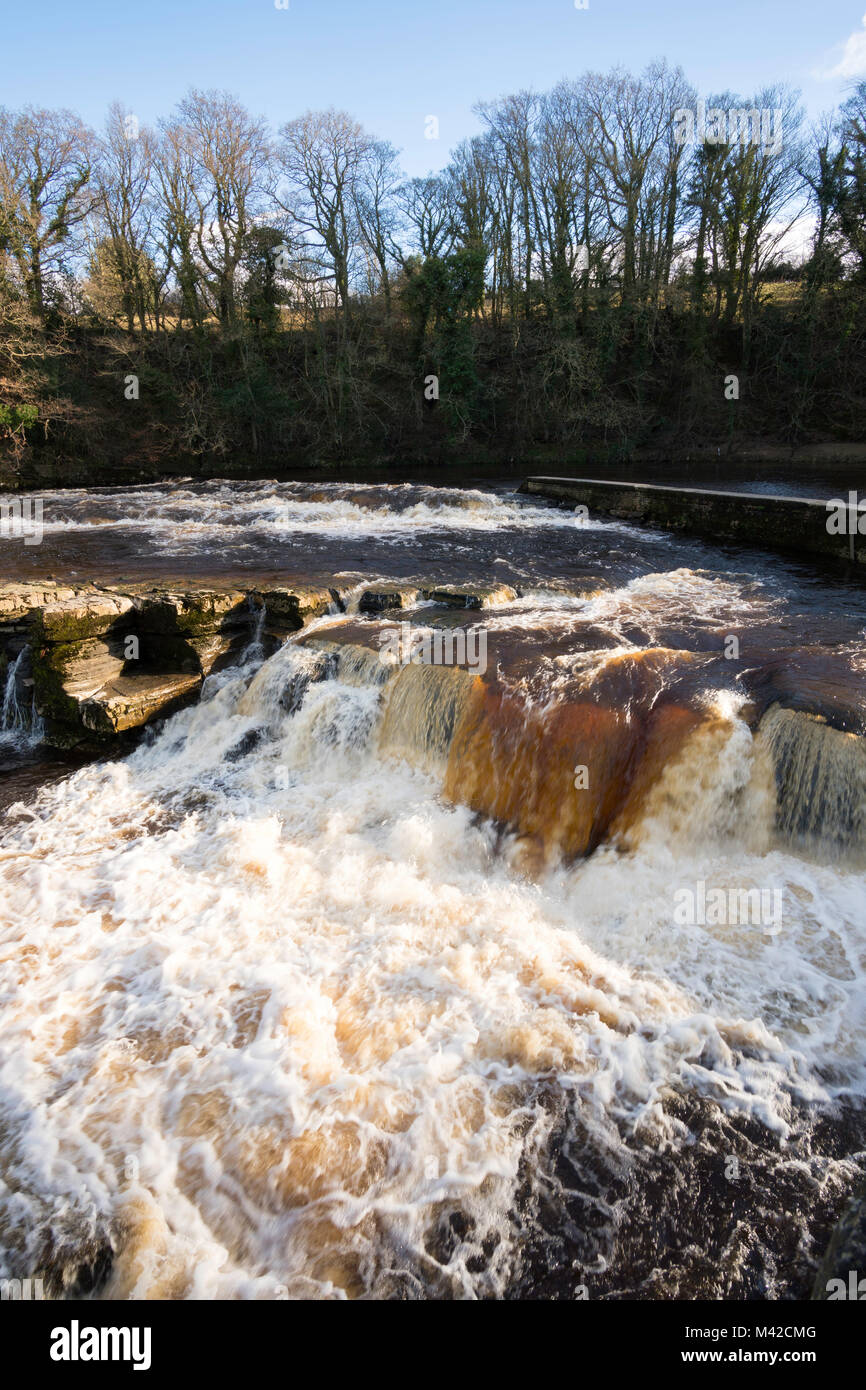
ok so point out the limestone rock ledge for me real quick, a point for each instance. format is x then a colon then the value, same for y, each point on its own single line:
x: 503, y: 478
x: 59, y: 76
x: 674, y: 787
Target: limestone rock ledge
x: 104, y: 663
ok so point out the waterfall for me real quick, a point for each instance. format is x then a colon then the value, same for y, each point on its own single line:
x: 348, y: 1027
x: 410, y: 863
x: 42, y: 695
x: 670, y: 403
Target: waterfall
x: 254, y: 650
x: 20, y: 725
x: 820, y: 779
x: 374, y: 977
x: 394, y: 1030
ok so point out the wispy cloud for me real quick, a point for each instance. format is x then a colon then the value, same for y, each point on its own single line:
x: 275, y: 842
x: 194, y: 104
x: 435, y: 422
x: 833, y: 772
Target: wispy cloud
x: 853, y: 60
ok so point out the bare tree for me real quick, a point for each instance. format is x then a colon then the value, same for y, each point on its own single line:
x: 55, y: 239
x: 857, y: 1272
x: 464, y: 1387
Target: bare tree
x: 322, y: 158
x: 427, y: 208
x: 224, y: 154
x: 851, y: 203
x: 570, y: 129
x: 823, y: 173
x: 512, y: 123
x: 479, y: 220
x: 637, y: 166
x: 45, y: 193
x: 122, y: 177
x: 177, y: 218
x: 760, y: 201
x: 376, y: 209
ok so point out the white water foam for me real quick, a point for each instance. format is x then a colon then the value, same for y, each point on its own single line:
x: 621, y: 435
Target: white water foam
x: 191, y: 519
x: 271, y: 1004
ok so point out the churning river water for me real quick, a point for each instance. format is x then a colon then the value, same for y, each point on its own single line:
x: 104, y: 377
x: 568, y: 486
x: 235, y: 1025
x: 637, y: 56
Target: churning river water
x: 347, y: 983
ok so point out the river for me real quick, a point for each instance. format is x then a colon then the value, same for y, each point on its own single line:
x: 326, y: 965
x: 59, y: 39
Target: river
x: 367, y: 979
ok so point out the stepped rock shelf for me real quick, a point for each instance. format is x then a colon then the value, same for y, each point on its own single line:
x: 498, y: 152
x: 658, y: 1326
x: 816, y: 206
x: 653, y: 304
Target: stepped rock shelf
x: 91, y: 684
x: 505, y: 761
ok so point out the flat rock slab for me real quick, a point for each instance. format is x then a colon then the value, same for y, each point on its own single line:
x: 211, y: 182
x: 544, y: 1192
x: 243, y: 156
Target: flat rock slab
x: 74, y: 619
x: 128, y: 702
x: 18, y: 601
x: 470, y: 595
x: 377, y: 599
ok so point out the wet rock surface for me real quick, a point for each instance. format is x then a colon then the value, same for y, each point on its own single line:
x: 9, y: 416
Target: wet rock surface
x: 107, y: 662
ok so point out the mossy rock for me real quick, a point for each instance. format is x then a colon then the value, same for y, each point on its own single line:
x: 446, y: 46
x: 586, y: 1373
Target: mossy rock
x: 53, y: 703
x: 76, y: 619
x: 296, y: 606
x: 192, y: 614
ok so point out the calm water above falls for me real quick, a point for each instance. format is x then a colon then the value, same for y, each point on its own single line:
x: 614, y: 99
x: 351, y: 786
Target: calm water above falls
x: 319, y: 992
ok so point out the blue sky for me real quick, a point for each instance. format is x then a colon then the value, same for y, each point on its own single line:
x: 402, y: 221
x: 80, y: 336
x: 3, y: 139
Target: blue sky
x: 392, y: 63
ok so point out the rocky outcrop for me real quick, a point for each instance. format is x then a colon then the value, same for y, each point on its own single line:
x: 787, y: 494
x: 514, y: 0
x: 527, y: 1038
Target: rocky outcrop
x: 472, y: 596
x: 378, y: 599
x: 198, y: 632
x: 286, y: 610
x: 105, y: 663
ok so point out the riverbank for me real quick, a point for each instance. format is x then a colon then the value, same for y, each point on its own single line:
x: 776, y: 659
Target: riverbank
x: 826, y: 468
